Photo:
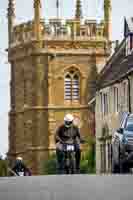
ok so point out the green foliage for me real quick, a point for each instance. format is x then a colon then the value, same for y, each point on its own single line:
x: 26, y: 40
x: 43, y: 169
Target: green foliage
x: 87, y: 164
x: 3, y: 167
x: 49, y: 166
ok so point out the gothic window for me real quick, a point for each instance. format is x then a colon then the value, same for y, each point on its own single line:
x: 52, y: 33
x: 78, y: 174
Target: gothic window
x: 75, y: 87
x: 71, y: 86
x: 68, y: 84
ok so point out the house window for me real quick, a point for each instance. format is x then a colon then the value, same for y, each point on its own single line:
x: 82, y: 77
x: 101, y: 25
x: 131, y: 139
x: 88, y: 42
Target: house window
x: 101, y: 102
x: 116, y: 100
x: 83, y: 33
x: 104, y: 103
x: 72, y: 87
x: 124, y: 93
x: 105, y: 99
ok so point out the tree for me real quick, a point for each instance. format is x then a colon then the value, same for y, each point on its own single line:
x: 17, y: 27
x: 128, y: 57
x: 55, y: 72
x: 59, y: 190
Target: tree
x: 3, y: 167
x: 88, y: 157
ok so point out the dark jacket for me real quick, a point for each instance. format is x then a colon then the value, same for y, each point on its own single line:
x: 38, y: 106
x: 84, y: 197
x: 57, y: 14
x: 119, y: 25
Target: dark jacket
x: 67, y: 135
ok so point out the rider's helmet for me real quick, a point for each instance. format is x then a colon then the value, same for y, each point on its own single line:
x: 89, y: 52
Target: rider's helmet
x: 19, y: 160
x: 68, y: 120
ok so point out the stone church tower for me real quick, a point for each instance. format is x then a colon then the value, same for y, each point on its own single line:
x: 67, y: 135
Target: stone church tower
x: 50, y: 66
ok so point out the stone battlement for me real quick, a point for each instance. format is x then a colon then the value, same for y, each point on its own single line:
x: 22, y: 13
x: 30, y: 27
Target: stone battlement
x: 57, y: 29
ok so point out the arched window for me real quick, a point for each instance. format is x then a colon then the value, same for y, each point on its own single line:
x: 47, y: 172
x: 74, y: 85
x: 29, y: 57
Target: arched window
x: 72, y: 87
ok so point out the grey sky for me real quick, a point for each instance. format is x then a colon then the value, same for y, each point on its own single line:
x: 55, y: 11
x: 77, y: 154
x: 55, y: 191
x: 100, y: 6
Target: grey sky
x: 24, y: 11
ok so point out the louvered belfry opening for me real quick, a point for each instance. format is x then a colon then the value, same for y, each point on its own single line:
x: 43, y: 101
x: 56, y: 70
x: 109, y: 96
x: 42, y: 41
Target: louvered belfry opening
x: 72, y: 85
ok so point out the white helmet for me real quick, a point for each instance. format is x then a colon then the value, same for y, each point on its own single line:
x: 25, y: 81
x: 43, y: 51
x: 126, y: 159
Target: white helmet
x: 19, y: 158
x: 68, y: 120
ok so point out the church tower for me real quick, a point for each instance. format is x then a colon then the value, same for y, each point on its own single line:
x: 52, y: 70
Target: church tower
x: 28, y: 130
x: 51, y: 63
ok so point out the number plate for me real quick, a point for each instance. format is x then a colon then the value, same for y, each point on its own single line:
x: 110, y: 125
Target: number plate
x: 21, y: 173
x: 70, y: 147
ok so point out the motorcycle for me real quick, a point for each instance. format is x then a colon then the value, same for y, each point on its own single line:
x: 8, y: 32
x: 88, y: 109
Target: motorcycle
x: 69, y: 161
x: 19, y: 173
x: 66, y: 157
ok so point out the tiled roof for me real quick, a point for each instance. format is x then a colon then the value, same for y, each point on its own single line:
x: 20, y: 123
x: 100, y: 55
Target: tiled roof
x: 116, y: 68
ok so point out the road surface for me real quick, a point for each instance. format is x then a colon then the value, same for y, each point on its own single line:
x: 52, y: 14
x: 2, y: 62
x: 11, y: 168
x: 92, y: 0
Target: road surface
x: 67, y: 187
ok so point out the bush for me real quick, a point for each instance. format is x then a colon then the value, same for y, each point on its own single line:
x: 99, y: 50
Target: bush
x: 49, y: 166
x: 87, y: 164
x: 3, y: 167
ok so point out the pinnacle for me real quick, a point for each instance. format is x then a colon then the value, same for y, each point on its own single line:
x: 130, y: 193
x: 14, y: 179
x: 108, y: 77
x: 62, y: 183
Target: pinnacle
x: 78, y: 14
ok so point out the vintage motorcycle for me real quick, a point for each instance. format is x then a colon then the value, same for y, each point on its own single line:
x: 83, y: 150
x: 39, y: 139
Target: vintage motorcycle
x: 69, y: 161
x: 19, y: 173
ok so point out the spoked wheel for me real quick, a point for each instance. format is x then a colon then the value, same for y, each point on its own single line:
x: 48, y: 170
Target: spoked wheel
x: 69, y: 166
x: 73, y: 164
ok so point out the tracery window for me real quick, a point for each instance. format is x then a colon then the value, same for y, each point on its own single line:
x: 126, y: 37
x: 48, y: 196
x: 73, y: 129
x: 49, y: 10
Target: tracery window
x: 72, y: 85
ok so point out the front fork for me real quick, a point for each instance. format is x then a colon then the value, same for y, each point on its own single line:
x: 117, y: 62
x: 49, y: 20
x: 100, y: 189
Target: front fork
x: 70, y: 162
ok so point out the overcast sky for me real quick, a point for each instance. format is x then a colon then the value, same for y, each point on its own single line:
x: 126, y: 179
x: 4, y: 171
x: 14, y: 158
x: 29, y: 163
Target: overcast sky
x: 24, y: 10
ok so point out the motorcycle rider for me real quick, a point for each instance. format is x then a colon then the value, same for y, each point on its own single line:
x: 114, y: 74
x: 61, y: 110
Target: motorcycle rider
x: 20, y: 167
x: 68, y: 133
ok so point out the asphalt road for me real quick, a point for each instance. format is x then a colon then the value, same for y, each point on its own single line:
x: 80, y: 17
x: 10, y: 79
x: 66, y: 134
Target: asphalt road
x: 75, y: 187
